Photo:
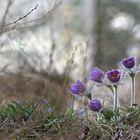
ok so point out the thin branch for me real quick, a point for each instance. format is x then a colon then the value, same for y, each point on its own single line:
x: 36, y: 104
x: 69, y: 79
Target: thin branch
x: 23, y: 17
x: 40, y: 20
x: 31, y: 23
x: 9, y: 4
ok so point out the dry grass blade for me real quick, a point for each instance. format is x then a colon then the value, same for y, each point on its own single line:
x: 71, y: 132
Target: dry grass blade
x: 16, y: 133
x: 69, y: 67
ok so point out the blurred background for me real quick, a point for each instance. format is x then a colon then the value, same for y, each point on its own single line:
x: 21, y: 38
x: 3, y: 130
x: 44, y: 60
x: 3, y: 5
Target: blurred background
x: 45, y: 45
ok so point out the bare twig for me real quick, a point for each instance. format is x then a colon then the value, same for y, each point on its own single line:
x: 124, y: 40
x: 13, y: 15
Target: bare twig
x: 23, y: 17
x: 9, y: 4
x: 39, y: 21
x: 7, y: 27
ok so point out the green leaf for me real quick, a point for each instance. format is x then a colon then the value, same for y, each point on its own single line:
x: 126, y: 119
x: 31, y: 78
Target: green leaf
x: 108, y: 113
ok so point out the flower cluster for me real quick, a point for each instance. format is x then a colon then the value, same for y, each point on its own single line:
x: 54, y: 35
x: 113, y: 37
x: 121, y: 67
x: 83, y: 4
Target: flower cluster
x: 110, y: 79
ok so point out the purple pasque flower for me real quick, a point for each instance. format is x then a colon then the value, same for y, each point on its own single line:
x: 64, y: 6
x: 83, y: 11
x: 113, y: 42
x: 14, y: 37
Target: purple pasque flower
x: 77, y: 88
x: 96, y: 75
x: 129, y: 62
x: 95, y: 105
x: 114, y: 76
x: 128, y: 65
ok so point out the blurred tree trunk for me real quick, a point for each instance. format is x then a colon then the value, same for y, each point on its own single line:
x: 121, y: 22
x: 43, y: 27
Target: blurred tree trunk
x: 109, y: 40
x: 97, y: 33
x: 95, y: 14
x: 90, y: 14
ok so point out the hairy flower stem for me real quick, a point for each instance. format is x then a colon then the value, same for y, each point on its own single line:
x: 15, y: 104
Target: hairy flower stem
x: 116, y: 100
x: 73, y: 100
x: 133, y: 94
x: 85, y: 107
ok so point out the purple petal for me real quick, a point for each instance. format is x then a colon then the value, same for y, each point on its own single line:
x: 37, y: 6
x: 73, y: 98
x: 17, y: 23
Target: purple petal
x: 95, y: 105
x: 114, y: 75
x: 96, y: 75
x: 129, y: 62
x: 77, y: 88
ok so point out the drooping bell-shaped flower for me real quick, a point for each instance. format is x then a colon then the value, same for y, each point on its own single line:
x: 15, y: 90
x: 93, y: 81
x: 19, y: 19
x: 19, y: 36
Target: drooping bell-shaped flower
x: 77, y: 88
x: 95, y: 105
x: 96, y: 75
